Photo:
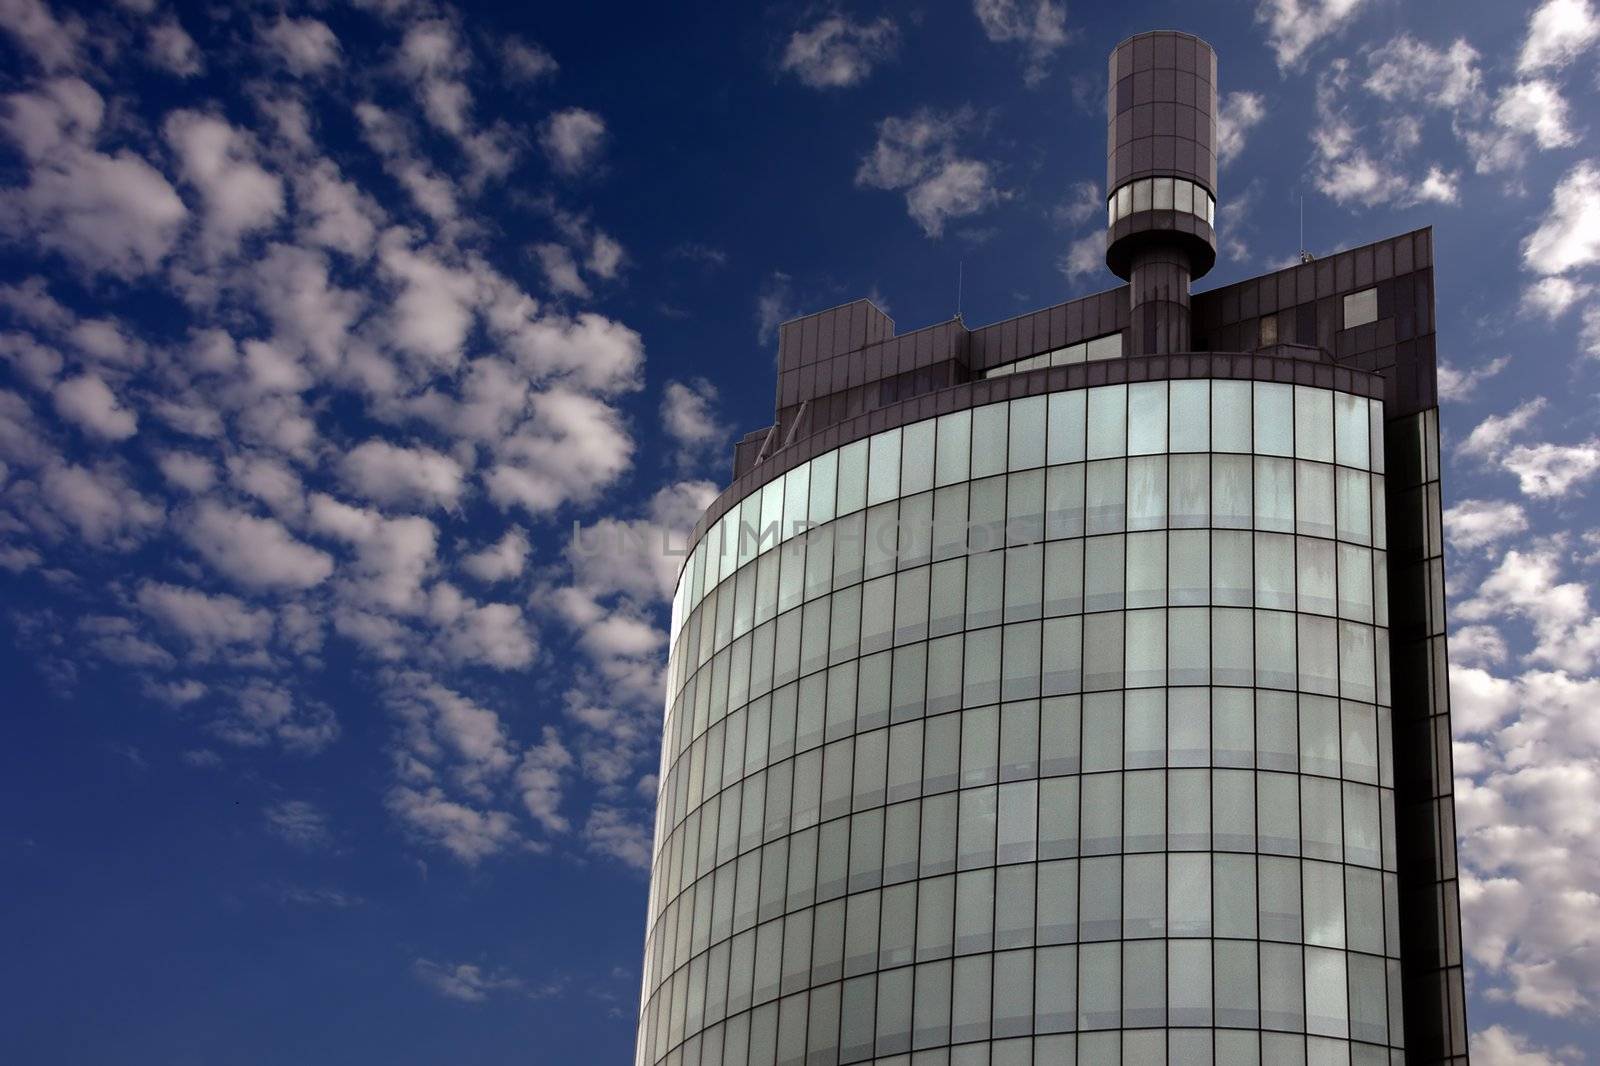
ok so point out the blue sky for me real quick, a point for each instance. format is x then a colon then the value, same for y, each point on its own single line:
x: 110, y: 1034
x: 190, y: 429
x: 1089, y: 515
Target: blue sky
x: 320, y: 328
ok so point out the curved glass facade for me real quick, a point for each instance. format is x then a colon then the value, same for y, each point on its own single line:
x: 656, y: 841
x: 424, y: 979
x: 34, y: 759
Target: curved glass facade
x: 1050, y: 731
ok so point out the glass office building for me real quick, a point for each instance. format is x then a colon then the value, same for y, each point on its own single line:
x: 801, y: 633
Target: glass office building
x: 1071, y: 690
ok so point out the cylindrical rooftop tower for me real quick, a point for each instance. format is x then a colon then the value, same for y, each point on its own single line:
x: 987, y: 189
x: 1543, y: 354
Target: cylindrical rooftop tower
x: 1161, y: 180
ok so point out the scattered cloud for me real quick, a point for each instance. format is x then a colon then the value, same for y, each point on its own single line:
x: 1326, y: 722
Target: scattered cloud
x: 573, y: 140
x: 688, y: 413
x: 464, y: 981
x: 173, y: 50
x: 298, y: 822
x: 1238, y: 113
x: 1039, y: 27
x: 1294, y: 27
x: 526, y: 62
x: 1490, y: 437
x: 1568, y: 237
x: 1558, y: 32
x: 838, y: 52
x: 1456, y: 385
x: 918, y: 153
x: 1473, y: 524
x: 305, y: 45
x: 1553, y: 296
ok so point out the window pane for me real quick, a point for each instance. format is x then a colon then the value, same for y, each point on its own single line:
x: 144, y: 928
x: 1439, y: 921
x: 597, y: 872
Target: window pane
x: 916, y: 458
x: 1147, y: 418
x: 989, y: 440
x: 1313, y: 423
x: 1274, y: 419
x: 1351, y: 428
x: 1141, y: 194
x: 883, y: 469
x: 1231, y: 506
x: 1067, y: 421
x: 1230, y: 416
x: 1027, y: 433
x: 952, y: 448
x: 1105, y: 496
x: 1314, y: 497
x: 1360, y: 308
x: 1108, y: 407
x: 1162, y: 198
x: 1064, y: 499
x: 1147, y: 492
x: 1275, y: 495
x: 1183, y: 196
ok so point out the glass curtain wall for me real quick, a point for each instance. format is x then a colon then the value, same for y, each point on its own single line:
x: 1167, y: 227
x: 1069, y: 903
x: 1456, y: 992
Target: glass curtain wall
x: 1051, y: 731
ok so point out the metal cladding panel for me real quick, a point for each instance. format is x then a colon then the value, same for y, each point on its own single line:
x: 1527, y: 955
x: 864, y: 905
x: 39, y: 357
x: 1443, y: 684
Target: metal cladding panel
x: 1162, y: 110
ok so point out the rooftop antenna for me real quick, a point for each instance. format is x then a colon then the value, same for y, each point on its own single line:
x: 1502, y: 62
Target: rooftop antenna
x: 961, y: 265
x: 1305, y: 256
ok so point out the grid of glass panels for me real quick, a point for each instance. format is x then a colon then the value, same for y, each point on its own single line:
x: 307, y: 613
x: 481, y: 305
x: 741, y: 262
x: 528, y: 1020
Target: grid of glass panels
x: 1061, y: 734
x: 1106, y: 347
x: 1161, y: 194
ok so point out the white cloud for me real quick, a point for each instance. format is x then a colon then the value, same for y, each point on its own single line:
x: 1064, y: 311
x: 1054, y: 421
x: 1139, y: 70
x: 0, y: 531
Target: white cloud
x: 88, y: 402
x: 1407, y: 69
x: 1237, y: 114
x: 52, y: 43
x: 100, y: 505
x: 1589, y: 339
x: 573, y: 140
x: 572, y: 448
x: 1457, y: 385
x: 1535, y: 109
x: 252, y: 551
x: 263, y: 712
x: 434, y: 307
x: 1552, y: 297
x: 393, y: 474
x: 526, y: 61
x: 606, y: 256
x: 106, y: 212
x: 838, y: 52
x: 269, y: 480
x: 239, y: 195
x: 305, y: 45
x: 393, y: 555
x: 1490, y: 437
x: 1477, y: 645
x: 560, y: 269
x: 540, y: 779
x: 173, y: 50
x: 1295, y: 26
x: 1558, y: 32
x: 1526, y: 585
x: 206, y: 620
x: 501, y: 560
x: 613, y: 832
x: 1085, y: 257
x: 918, y: 154
x: 335, y: 213
x: 1436, y: 187
x: 1499, y: 1046
x: 688, y: 412
x: 1473, y: 524
x: 298, y: 822
x: 190, y: 472
x: 1546, y: 471
x: 464, y: 981
x: 1039, y: 26
x: 468, y: 833
x: 1569, y: 235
